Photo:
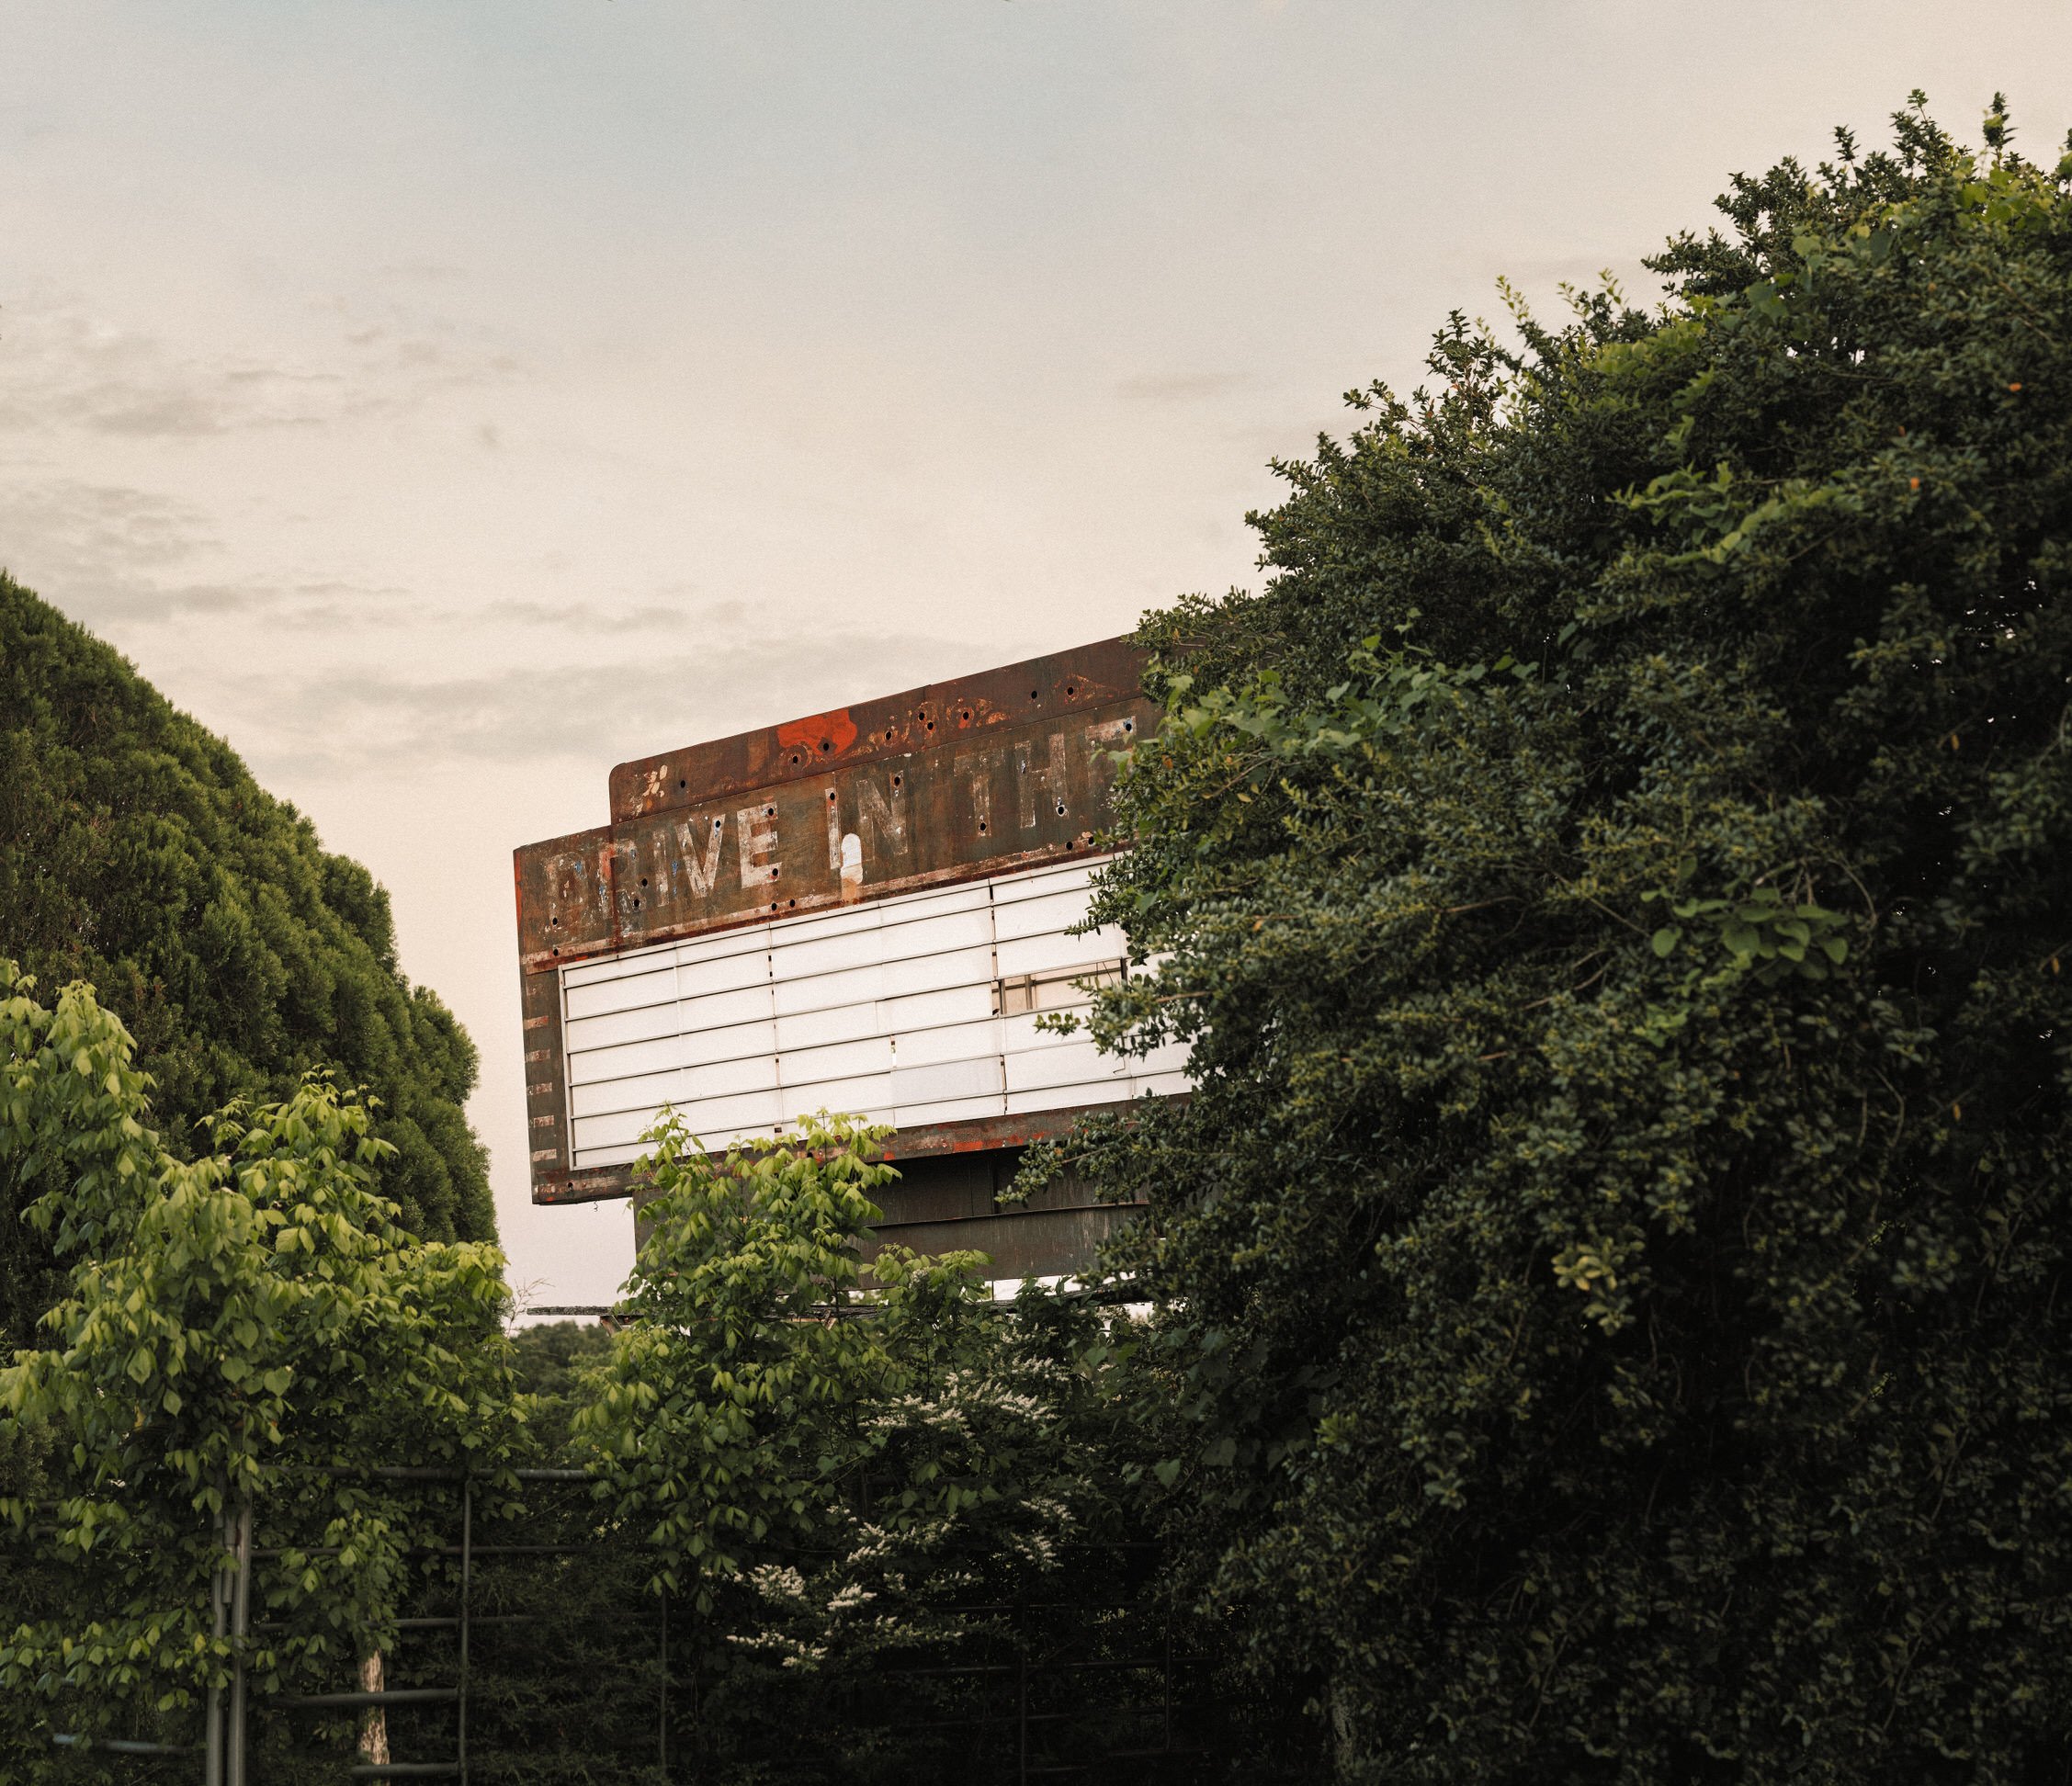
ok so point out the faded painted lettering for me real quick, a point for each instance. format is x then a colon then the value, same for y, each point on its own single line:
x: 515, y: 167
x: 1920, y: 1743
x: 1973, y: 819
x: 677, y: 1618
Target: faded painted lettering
x: 881, y: 815
x: 1031, y: 783
x: 974, y: 771
x: 702, y: 874
x: 1116, y: 734
x: 625, y: 856
x: 570, y: 881
x: 941, y: 812
x: 756, y: 834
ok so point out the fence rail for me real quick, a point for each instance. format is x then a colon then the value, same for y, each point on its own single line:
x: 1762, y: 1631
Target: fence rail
x: 1009, y: 1704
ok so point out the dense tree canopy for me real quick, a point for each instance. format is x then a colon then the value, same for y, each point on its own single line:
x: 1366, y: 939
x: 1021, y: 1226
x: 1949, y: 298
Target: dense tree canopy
x: 891, y: 1516
x: 1615, y: 880
x: 137, y: 853
x: 830, y: 1471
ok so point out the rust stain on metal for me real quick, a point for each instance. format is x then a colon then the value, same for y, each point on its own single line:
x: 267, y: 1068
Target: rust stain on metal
x: 1067, y: 682
x: 996, y: 792
x: 545, y: 1093
x: 984, y: 1134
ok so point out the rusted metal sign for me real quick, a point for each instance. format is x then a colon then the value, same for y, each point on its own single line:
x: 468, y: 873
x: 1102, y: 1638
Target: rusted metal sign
x: 1003, y: 770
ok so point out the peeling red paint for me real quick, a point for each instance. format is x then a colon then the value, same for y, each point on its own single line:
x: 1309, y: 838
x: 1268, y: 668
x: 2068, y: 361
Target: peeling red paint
x: 825, y: 736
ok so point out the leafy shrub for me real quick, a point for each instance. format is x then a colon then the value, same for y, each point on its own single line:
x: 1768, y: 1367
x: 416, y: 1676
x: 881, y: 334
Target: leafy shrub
x: 854, y: 1483
x: 250, y: 1329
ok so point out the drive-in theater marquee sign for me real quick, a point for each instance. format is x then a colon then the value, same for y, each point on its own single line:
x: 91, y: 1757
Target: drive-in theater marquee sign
x: 865, y: 910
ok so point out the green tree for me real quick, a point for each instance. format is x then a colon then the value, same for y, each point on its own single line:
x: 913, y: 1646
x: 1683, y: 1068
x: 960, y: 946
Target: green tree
x: 1615, y: 881
x: 137, y: 853
x: 235, y: 1328
x: 550, y: 1361
x: 829, y: 1469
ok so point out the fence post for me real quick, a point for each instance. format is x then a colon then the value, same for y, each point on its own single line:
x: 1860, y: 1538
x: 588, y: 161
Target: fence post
x: 467, y: 1562
x: 1169, y: 1682
x: 212, y: 1750
x: 663, y: 1742
x: 240, y: 1631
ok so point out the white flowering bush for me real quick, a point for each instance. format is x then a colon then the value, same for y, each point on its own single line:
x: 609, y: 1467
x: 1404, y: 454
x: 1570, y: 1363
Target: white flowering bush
x: 845, y: 1469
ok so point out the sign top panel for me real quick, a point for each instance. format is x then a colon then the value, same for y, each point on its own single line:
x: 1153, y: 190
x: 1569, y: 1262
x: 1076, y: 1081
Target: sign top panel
x: 1064, y: 683
x: 974, y: 777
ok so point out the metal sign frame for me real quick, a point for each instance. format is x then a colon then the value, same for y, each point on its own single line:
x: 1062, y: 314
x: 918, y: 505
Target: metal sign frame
x: 950, y: 782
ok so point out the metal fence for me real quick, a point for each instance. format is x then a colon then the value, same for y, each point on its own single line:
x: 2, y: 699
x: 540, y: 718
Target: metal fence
x: 1096, y: 1684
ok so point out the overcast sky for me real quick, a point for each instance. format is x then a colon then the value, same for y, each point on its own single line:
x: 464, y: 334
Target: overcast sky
x: 445, y: 401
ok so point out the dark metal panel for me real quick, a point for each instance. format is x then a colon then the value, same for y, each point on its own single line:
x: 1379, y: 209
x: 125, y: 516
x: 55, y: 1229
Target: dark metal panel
x: 947, y: 1187
x: 594, y: 1186
x: 976, y: 1134
x: 983, y: 1134
x: 563, y: 890
x: 1013, y: 796
x: 547, y: 1095
x: 1022, y: 1243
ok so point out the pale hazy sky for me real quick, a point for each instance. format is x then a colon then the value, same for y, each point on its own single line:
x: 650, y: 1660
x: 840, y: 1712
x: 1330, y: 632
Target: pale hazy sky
x: 447, y: 400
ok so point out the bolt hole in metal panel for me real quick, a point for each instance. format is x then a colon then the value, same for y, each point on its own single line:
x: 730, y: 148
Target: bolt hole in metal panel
x: 934, y: 850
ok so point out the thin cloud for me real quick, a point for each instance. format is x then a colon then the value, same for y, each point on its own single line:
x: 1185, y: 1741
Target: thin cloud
x: 98, y: 602
x: 64, y: 371
x: 582, y: 616
x: 592, y: 713
x: 427, y: 271
x: 112, y: 555
x: 1178, y: 387
x: 91, y: 526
